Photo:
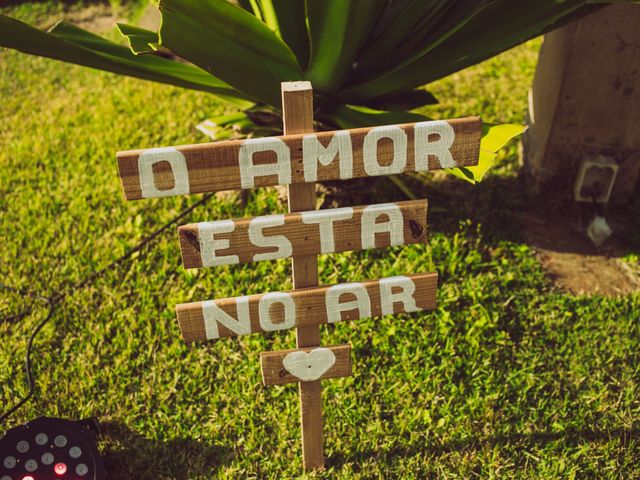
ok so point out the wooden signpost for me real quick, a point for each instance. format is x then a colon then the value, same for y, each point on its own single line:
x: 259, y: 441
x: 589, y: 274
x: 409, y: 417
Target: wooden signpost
x: 298, y: 159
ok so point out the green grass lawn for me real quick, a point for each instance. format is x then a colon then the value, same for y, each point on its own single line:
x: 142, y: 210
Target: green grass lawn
x: 509, y: 377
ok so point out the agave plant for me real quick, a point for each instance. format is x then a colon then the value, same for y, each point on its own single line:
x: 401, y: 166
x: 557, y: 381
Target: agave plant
x: 367, y: 59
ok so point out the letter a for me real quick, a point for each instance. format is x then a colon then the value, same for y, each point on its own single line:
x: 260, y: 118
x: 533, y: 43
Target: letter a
x: 393, y: 226
x: 248, y: 170
x: 335, y: 307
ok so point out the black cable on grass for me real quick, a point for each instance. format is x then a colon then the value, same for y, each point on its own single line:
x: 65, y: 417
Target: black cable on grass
x: 58, y: 298
x: 27, y: 360
x: 143, y: 243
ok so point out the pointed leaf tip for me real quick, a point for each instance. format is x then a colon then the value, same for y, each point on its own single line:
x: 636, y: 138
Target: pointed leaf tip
x: 494, y: 138
x: 140, y: 40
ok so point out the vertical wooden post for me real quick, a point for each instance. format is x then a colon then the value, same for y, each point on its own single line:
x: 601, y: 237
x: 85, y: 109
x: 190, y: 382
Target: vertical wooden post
x: 297, y: 117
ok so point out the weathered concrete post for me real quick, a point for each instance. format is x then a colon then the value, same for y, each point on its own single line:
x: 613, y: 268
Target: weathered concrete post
x: 585, y: 101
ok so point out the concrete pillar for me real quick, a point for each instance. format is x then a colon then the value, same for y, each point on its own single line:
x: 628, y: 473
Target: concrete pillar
x: 585, y: 101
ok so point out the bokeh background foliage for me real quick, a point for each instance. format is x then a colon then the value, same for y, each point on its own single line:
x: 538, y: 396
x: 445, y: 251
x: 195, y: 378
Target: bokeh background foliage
x: 510, y: 377
x: 353, y: 51
x: 367, y: 59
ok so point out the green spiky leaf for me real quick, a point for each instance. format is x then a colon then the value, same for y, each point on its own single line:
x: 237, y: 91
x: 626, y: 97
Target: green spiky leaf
x: 232, y: 44
x: 353, y: 116
x: 140, y: 40
x: 338, y: 30
x: 72, y: 44
x: 494, y: 138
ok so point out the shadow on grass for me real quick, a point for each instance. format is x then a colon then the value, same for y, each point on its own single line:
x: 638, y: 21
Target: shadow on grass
x: 569, y: 437
x: 128, y: 454
x: 506, y: 207
x: 498, y: 203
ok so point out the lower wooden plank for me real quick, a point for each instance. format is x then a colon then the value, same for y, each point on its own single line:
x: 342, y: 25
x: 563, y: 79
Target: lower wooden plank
x: 305, y: 364
x: 273, y: 311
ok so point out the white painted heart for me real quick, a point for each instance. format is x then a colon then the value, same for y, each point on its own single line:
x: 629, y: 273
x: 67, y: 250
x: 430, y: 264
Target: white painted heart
x: 309, y: 366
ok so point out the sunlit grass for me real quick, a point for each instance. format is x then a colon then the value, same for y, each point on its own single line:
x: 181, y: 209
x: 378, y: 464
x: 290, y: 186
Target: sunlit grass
x: 507, y: 378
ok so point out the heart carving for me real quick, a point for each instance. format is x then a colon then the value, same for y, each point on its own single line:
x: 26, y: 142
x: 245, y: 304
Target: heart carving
x: 309, y: 366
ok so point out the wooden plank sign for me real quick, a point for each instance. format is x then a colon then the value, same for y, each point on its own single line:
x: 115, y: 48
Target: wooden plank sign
x: 224, y: 242
x: 305, y: 364
x: 297, y: 118
x: 269, y: 312
x: 299, y: 158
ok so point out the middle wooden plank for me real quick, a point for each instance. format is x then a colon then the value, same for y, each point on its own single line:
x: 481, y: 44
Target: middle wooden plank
x: 269, y: 237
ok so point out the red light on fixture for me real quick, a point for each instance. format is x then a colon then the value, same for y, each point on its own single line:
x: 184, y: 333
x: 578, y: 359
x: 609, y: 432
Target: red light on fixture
x: 28, y: 477
x: 60, y: 468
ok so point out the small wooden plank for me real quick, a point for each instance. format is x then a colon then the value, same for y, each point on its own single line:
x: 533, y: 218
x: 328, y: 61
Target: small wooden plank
x: 241, y: 164
x: 312, y: 306
x: 319, y: 363
x: 303, y: 234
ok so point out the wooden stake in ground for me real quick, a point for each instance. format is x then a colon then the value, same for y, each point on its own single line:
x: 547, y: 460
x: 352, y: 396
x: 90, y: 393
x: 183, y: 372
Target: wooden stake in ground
x: 297, y: 117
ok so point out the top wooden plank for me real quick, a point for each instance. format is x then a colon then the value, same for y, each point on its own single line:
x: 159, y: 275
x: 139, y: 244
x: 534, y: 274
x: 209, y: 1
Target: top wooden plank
x: 300, y: 158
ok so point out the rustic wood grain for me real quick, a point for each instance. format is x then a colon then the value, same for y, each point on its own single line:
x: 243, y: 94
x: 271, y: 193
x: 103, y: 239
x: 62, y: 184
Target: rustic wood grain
x: 310, y: 305
x: 274, y: 372
x: 304, y: 237
x: 215, y: 166
x: 297, y: 118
